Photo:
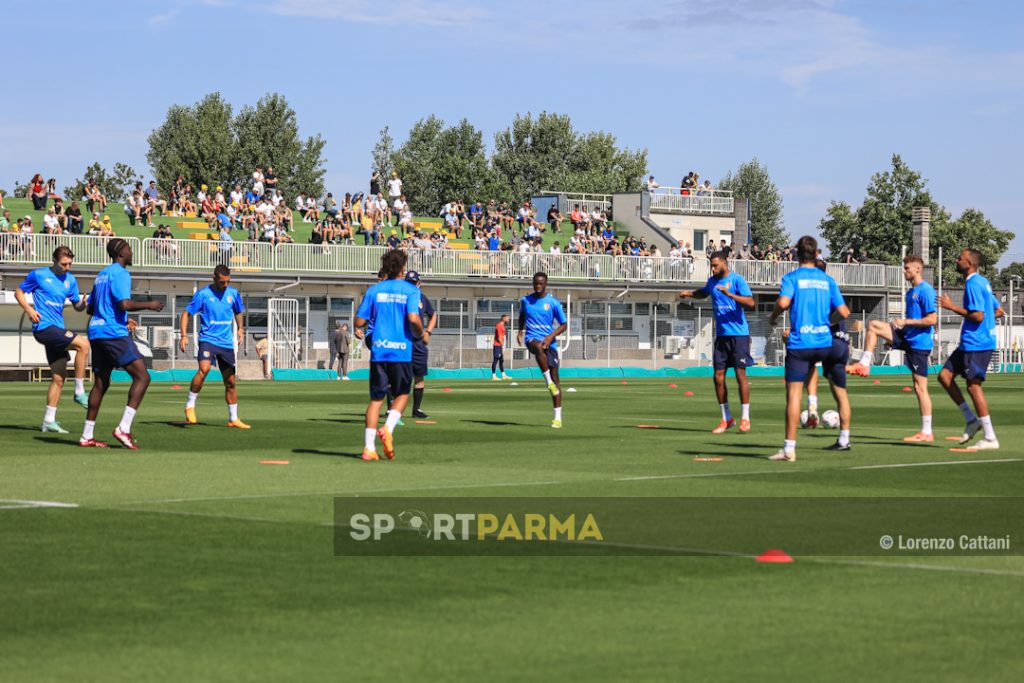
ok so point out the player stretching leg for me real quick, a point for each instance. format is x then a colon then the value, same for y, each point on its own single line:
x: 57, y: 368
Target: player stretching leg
x: 390, y: 309
x: 913, y: 336
x: 109, y: 305
x: 498, y: 355
x: 420, y: 351
x: 49, y: 288
x: 218, y: 306
x: 538, y: 313
x: 813, y: 299
x: 972, y: 356
x: 730, y: 294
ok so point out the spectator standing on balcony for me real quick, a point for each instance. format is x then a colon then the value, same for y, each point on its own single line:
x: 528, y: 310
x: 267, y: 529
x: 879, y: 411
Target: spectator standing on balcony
x: 652, y: 184
x: 725, y: 248
x: 375, y: 184
x: 270, y: 180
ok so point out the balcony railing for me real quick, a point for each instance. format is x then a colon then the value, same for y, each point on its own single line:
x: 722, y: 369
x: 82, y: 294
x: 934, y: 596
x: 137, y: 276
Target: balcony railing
x: 671, y: 200
x: 172, y: 254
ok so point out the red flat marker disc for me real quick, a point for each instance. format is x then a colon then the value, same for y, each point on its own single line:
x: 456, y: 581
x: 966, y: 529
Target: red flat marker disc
x: 447, y: 390
x: 673, y: 386
x: 774, y: 555
x: 687, y: 393
x: 952, y: 438
x: 275, y: 462
x: 963, y: 450
x: 708, y: 458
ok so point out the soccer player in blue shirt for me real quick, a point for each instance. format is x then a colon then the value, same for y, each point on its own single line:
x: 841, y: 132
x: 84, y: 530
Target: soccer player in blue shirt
x: 420, y: 351
x: 392, y: 308
x: 913, y: 336
x: 219, y: 307
x: 50, y: 287
x: 972, y: 356
x: 541, y: 320
x: 815, y: 304
x: 112, y: 347
x: 730, y: 294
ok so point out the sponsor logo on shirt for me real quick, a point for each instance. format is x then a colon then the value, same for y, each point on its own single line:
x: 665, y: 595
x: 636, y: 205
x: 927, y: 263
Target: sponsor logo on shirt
x: 387, y: 344
x: 391, y: 298
x: 814, y: 329
x: 812, y: 284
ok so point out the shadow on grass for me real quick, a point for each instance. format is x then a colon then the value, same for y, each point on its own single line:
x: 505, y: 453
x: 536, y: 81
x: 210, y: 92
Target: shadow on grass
x: 24, y: 428
x: 359, y: 420
x: 178, y: 424
x: 335, y: 454
x: 57, y: 441
x: 498, y: 423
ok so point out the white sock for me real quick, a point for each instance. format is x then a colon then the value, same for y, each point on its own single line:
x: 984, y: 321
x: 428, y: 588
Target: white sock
x: 726, y: 414
x: 844, y: 437
x: 51, y: 414
x: 370, y: 439
x: 789, y: 446
x: 926, y: 424
x: 87, y: 431
x: 812, y: 403
x: 233, y: 411
x: 986, y: 424
x: 79, y: 386
x: 866, y: 358
x: 126, y: 420
x: 745, y: 407
x: 191, y: 402
x: 494, y: 377
x: 968, y: 413
x: 547, y: 376
x: 558, y: 413
x: 392, y: 421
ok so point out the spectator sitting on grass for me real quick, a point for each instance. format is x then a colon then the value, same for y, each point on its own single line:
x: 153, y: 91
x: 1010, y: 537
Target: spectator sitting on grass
x: 5, y: 221
x: 554, y: 218
x: 51, y: 226
x: 607, y: 234
x: 330, y: 206
x: 38, y: 192
x: 73, y: 219
x: 284, y: 217
x: 93, y: 197
x: 394, y: 241
x: 106, y: 229
x: 95, y: 224
x: 153, y: 194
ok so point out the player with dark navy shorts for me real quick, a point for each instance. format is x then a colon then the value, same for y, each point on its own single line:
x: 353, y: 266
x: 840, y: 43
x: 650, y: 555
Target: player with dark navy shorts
x: 420, y: 348
x: 541, y: 320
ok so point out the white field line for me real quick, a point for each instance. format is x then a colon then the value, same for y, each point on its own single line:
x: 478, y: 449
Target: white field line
x: 13, y: 504
x: 697, y: 475
x: 932, y: 464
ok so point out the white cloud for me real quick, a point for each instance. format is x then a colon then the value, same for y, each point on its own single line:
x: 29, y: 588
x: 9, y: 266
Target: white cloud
x: 403, y: 12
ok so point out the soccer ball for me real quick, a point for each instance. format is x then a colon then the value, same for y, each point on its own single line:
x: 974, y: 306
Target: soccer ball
x: 803, y: 420
x: 830, y: 419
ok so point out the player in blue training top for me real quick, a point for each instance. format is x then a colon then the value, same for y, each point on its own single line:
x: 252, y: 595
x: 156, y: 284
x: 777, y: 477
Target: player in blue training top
x: 420, y: 349
x: 541, y: 320
x: 219, y: 307
x: 392, y: 308
x: 914, y: 336
x: 972, y: 356
x: 812, y: 297
x: 112, y: 347
x: 730, y: 294
x: 50, y: 287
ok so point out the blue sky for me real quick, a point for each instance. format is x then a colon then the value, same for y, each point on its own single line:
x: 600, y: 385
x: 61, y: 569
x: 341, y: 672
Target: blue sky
x: 821, y: 91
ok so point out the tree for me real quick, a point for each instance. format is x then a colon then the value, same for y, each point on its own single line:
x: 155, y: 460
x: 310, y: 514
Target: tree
x: 268, y: 135
x: 114, y: 186
x: 195, y: 142
x: 384, y: 154
x: 204, y: 143
x: 882, y: 225
x: 752, y: 181
x: 415, y: 161
x: 971, y: 230
x: 547, y: 154
x: 1013, y: 271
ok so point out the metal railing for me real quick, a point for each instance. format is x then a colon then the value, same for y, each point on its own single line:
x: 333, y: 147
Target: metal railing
x: 671, y: 200
x: 448, y: 263
x: 567, y: 201
x: 37, y: 248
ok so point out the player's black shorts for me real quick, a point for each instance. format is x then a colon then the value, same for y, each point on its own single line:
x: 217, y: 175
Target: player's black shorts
x: 56, y: 340
x: 108, y: 354
x: 218, y: 355
x: 552, y: 353
x: 420, y: 358
x: 498, y: 352
x: 389, y: 375
x: 915, y: 359
x: 732, y: 352
x: 971, y: 365
x: 833, y: 368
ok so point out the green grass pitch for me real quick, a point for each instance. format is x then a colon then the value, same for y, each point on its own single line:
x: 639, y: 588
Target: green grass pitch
x: 189, y: 560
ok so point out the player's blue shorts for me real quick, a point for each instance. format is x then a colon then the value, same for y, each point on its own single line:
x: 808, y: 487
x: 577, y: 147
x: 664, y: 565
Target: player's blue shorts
x: 971, y: 365
x: 497, y: 352
x: 108, y: 354
x: 389, y: 375
x: 834, y: 367
x: 915, y: 359
x: 56, y: 340
x: 732, y: 352
x: 800, y: 362
x: 420, y: 358
x: 552, y: 353
x: 218, y: 355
